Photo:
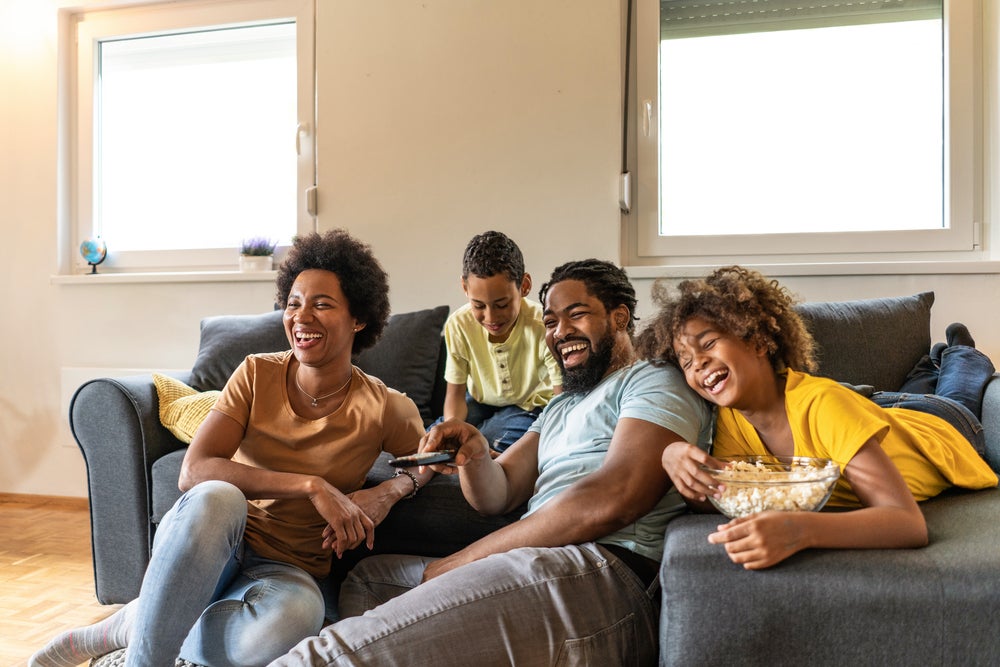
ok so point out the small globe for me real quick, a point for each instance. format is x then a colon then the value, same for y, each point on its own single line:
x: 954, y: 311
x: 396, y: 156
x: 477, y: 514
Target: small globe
x: 94, y: 251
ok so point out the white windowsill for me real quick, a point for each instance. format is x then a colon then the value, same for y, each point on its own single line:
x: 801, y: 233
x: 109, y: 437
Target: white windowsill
x: 828, y: 269
x: 164, y: 277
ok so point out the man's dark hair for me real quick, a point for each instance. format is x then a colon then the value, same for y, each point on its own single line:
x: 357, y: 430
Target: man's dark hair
x: 603, y: 280
x: 492, y: 253
x: 362, y: 279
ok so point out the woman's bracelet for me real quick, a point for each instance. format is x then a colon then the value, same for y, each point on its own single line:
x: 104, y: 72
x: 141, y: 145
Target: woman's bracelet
x: 413, y: 478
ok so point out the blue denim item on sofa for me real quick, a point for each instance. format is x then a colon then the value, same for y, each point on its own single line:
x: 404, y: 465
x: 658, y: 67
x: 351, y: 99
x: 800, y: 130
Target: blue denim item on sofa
x: 949, y: 384
x: 960, y: 373
x: 951, y: 411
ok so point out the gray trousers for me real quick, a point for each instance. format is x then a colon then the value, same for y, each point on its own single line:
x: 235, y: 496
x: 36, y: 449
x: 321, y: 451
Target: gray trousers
x: 574, y: 605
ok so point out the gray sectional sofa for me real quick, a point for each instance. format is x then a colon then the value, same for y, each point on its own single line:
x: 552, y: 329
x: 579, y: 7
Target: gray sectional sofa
x: 936, y: 605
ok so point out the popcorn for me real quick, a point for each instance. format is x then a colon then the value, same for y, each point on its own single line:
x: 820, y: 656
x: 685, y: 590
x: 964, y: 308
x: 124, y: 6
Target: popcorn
x: 787, y: 489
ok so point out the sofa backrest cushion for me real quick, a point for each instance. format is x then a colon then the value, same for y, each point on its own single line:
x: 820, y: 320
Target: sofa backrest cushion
x: 405, y: 357
x: 873, y: 342
x: 226, y: 340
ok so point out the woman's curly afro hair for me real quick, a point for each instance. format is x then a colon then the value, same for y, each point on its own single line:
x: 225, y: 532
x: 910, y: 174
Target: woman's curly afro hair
x: 740, y: 302
x: 362, y: 279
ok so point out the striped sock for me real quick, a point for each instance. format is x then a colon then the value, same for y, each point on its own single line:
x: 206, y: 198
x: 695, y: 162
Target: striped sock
x: 76, y: 646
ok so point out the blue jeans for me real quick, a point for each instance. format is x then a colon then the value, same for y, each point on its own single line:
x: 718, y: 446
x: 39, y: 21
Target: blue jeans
x: 951, y: 389
x: 947, y: 409
x: 501, y: 426
x: 209, y: 598
x: 961, y: 375
x: 572, y: 605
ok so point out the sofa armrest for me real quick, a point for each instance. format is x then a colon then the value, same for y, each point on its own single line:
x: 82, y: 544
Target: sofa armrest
x: 991, y: 421
x: 116, y: 424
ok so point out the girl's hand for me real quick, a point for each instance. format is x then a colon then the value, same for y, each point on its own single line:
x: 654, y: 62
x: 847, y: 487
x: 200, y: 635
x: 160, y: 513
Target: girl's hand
x: 683, y: 462
x: 761, y: 540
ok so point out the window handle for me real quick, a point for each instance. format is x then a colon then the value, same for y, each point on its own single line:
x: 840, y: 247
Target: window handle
x: 647, y: 116
x: 300, y: 129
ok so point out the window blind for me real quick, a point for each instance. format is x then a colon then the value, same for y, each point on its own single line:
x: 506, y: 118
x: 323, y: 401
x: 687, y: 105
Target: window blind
x: 700, y: 18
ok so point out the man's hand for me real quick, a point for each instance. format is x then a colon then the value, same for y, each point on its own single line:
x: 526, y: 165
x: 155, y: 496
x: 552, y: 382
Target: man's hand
x: 446, y: 564
x: 469, y: 443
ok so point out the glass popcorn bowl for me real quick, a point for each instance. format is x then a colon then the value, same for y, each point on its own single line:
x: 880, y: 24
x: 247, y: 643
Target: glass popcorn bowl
x: 782, y: 483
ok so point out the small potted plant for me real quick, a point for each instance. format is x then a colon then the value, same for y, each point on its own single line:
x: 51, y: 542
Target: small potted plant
x: 257, y: 254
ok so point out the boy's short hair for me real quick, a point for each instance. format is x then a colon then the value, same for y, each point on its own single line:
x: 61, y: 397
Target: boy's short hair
x: 492, y: 253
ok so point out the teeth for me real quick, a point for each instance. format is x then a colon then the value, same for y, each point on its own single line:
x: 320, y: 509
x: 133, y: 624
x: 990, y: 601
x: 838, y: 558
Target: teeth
x: 302, y: 335
x: 713, y: 378
x: 573, y: 348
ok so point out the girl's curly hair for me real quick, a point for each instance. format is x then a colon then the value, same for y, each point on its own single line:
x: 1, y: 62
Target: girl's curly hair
x: 362, y: 279
x: 740, y: 302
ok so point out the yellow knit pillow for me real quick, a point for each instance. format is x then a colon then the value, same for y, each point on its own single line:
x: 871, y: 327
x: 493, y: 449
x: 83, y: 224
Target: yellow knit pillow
x: 182, y: 409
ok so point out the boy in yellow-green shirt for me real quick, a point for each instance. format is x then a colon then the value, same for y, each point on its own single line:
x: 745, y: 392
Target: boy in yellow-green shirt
x: 499, y: 370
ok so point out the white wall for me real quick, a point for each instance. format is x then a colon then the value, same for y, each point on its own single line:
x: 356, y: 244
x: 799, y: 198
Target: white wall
x: 438, y: 119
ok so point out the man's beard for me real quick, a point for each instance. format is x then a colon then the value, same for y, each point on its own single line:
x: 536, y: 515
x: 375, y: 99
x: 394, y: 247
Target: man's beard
x: 581, y: 379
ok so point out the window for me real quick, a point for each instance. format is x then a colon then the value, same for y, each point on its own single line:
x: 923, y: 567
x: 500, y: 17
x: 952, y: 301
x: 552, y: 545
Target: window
x: 779, y: 131
x: 193, y: 130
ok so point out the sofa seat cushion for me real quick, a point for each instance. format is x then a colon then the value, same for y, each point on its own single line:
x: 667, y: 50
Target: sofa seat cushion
x: 932, y: 606
x: 164, y: 474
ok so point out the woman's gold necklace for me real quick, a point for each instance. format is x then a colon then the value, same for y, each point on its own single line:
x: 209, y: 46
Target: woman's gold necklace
x: 316, y: 399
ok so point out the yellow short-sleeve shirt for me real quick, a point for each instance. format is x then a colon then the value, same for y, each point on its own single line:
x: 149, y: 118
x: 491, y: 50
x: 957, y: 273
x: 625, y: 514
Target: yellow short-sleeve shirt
x: 831, y: 421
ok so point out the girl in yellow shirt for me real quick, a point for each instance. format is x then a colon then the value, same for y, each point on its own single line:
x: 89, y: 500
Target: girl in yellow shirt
x: 742, y: 347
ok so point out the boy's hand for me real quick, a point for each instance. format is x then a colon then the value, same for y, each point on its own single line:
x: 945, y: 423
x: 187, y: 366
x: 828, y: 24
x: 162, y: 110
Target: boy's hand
x: 683, y: 462
x: 454, y: 434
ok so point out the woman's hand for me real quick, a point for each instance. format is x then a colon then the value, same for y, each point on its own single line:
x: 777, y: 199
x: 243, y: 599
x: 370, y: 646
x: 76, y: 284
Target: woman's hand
x: 347, y: 524
x: 683, y: 462
x: 374, y: 502
x: 761, y: 540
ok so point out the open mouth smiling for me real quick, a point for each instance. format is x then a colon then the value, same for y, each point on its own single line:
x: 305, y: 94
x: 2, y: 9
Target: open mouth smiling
x: 306, y: 336
x: 568, y: 350
x: 714, y: 380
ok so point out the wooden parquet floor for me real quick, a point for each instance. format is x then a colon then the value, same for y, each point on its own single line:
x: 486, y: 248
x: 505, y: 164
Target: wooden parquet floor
x: 46, y: 573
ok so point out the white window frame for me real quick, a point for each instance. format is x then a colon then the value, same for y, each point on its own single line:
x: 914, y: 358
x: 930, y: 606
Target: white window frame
x: 961, y: 239
x: 93, y: 26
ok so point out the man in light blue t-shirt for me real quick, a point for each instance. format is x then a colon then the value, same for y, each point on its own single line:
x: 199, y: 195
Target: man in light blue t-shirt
x: 574, y: 580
